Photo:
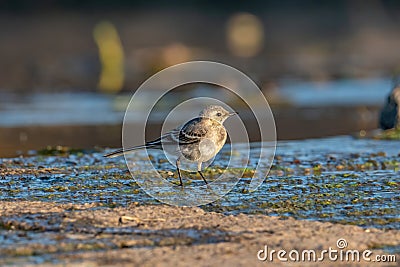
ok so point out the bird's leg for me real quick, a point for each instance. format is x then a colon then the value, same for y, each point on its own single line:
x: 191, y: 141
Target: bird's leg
x: 179, y: 172
x: 204, y: 179
x: 199, y: 171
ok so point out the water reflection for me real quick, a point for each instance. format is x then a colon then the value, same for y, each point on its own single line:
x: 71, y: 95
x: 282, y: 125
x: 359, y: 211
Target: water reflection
x: 83, y: 120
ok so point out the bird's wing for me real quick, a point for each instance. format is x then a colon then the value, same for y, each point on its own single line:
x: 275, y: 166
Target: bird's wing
x: 190, y: 133
x: 193, y: 131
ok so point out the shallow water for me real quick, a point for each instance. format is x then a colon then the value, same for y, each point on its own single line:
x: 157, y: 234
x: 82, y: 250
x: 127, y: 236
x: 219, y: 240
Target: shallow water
x: 337, y: 179
x: 78, y: 108
x: 301, y: 110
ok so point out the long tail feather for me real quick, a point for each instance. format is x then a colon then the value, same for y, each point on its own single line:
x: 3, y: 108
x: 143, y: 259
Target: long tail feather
x: 122, y: 151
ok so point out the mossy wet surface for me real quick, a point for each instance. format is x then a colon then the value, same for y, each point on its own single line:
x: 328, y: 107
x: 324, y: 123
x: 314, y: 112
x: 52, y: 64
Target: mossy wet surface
x: 336, y: 179
x: 391, y: 134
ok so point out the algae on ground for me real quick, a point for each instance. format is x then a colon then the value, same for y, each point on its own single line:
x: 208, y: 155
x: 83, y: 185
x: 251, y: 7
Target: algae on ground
x: 343, y: 180
x: 391, y: 134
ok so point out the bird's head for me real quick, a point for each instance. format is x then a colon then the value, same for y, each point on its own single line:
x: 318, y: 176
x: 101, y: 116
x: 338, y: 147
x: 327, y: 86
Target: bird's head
x: 217, y: 113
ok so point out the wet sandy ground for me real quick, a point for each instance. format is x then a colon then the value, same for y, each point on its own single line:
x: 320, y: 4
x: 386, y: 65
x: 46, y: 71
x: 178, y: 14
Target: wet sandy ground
x: 51, y: 234
x: 75, y: 208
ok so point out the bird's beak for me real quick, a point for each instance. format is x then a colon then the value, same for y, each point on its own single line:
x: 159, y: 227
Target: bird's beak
x: 233, y: 114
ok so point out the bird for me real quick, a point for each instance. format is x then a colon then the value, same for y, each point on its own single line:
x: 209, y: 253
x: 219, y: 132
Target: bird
x: 390, y: 113
x: 198, y: 140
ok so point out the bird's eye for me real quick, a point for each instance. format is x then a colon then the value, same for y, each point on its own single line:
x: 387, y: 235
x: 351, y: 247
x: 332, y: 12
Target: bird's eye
x: 219, y: 114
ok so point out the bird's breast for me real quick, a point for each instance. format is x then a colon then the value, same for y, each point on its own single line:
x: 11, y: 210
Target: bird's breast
x: 209, y: 145
x: 215, y: 139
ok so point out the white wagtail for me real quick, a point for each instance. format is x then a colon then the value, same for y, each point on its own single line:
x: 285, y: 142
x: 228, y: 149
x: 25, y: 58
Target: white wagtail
x: 198, y: 140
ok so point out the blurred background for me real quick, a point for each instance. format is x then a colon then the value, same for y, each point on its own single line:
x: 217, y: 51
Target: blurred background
x: 68, y: 68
